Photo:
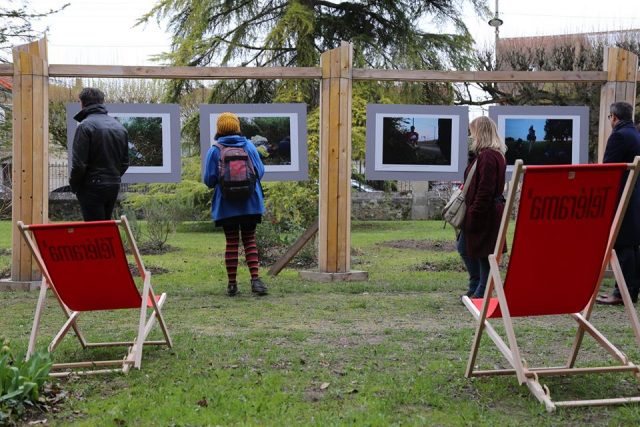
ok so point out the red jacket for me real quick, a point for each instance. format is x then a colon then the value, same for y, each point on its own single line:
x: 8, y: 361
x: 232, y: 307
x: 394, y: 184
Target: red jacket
x: 484, y: 203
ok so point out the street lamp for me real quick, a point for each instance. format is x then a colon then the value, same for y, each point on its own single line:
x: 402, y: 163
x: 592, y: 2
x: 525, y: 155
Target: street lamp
x: 496, y: 22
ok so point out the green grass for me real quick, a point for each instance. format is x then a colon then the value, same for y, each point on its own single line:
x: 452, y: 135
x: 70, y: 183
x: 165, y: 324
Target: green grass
x: 389, y: 351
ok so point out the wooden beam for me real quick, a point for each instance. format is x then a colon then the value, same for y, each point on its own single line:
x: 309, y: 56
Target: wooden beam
x: 344, y: 160
x: 30, y: 163
x: 480, y: 76
x: 334, y: 240
x: 334, y: 205
x: 197, y: 73
x: 6, y: 69
x: 222, y: 73
x: 294, y: 249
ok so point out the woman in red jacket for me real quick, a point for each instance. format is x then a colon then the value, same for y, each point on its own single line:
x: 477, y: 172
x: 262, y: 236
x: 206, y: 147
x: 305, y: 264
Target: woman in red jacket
x: 484, y: 202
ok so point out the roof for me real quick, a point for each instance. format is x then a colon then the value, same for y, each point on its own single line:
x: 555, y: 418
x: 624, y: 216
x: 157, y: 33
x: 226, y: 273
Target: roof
x: 5, y: 83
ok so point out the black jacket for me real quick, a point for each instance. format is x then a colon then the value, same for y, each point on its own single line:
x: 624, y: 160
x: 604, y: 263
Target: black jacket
x: 100, y: 152
x: 622, y: 146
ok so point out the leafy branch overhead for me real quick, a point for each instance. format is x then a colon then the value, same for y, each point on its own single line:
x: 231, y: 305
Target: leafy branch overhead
x: 385, y: 34
x: 16, y: 24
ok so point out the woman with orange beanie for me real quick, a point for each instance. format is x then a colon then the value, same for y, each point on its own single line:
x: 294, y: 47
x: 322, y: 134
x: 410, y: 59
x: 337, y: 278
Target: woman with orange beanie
x: 238, y: 216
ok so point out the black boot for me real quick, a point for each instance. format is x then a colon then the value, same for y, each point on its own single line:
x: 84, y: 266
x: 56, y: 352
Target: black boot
x: 258, y: 287
x: 232, y: 289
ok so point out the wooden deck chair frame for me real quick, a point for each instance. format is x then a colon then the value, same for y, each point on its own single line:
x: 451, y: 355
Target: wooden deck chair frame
x: 510, y: 349
x: 133, y: 356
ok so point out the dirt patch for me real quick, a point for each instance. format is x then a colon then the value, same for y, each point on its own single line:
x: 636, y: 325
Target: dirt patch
x: 5, y: 272
x: 40, y: 412
x: 146, y: 249
x: 154, y: 270
x: 377, y: 226
x: 269, y: 255
x: 444, y: 265
x: 313, y: 395
x: 426, y: 245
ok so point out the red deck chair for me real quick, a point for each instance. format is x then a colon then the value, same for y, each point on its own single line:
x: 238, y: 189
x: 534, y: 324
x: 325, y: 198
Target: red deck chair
x: 85, y: 266
x: 568, y: 220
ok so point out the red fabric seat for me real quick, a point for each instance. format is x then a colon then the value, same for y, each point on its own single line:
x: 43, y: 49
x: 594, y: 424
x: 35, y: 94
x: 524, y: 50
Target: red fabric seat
x: 87, y: 265
x: 561, y: 234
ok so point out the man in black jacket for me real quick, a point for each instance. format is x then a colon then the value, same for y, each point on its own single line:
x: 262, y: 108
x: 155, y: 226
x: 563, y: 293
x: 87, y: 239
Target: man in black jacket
x: 622, y: 147
x: 100, y: 157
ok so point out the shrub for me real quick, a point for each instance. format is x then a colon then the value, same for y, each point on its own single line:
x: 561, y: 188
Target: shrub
x: 20, y: 380
x: 136, y: 230
x: 291, y: 205
x: 163, y: 217
x: 273, y: 242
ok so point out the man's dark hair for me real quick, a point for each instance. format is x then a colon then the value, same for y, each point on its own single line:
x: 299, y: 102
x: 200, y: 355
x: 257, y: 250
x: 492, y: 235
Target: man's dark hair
x: 622, y: 110
x: 89, y: 96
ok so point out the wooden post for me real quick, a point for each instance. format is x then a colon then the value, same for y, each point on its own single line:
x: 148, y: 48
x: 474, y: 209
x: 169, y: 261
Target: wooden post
x: 622, y: 74
x: 30, y: 163
x: 334, y: 228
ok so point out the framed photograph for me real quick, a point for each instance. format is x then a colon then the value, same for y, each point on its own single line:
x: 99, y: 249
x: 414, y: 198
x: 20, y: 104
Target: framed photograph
x: 416, y: 142
x: 154, y: 139
x: 279, y: 131
x: 541, y: 135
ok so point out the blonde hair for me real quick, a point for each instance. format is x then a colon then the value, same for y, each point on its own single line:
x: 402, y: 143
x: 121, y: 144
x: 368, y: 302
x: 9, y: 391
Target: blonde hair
x: 485, y: 135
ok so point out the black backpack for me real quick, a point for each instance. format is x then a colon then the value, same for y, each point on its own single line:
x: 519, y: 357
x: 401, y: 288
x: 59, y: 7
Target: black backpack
x: 236, y: 173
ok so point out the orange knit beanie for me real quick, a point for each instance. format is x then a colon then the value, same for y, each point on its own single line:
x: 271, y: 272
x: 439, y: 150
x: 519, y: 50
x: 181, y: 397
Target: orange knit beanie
x: 228, y: 123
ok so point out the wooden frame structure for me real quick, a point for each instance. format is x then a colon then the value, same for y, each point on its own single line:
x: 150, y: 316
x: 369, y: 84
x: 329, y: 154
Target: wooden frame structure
x: 511, y: 350
x: 336, y: 73
x: 147, y: 299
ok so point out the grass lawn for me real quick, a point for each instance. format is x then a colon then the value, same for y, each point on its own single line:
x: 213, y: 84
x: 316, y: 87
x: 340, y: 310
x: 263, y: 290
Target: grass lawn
x: 390, y: 351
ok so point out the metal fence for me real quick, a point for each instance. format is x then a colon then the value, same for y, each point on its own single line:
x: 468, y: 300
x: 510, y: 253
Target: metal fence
x: 58, y: 175
x: 58, y: 179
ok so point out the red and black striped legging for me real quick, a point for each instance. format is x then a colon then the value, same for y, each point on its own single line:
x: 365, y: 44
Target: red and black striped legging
x: 232, y: 234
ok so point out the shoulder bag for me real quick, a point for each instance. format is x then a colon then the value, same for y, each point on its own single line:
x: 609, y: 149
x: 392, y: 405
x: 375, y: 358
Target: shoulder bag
x: 456, y: 208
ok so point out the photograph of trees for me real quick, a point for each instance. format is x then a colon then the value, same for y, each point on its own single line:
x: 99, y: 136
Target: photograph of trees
x: 539, y: 141
x: 271, y: 136
x: 416, y: 140
x: 145, y: 139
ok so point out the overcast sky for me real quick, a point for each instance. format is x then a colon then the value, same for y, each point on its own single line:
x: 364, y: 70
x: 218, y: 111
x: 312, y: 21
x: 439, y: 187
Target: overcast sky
x: 102, y: 31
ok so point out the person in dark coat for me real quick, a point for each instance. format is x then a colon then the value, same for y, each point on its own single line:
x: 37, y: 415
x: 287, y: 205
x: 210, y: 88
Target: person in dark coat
x: 100, y: 156
x: 622, y: 147
x: 477, y: 238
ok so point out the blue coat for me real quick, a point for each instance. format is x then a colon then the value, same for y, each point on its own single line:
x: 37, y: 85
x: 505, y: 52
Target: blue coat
x: 622, y: 146
x: 221, y: 208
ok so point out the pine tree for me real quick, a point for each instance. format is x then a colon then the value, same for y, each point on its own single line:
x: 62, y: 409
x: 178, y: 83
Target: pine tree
x: 385, y: 34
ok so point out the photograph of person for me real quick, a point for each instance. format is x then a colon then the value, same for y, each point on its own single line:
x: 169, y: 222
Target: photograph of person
x: 543, y: 134
x: 416, y: 140
x: 271, y: 135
